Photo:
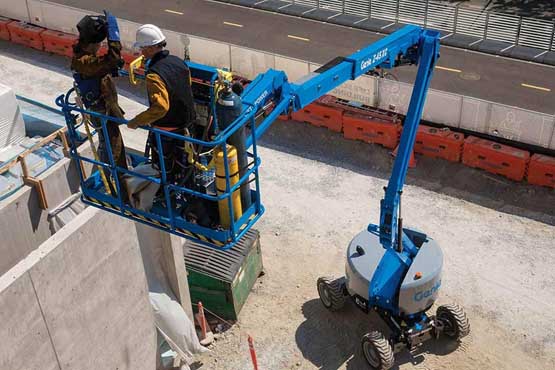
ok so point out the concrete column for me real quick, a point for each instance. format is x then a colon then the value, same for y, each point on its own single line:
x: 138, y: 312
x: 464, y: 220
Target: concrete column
x: 175, y: 270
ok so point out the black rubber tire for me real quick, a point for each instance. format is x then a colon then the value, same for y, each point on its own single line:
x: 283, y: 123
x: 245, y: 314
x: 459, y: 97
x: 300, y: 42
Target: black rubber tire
x: 377, y: 351
x: 331, y: 294
x: 454, y: 321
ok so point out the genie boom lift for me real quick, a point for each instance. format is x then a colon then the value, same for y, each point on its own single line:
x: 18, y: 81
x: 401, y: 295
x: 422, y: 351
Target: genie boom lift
x: 390, y: 270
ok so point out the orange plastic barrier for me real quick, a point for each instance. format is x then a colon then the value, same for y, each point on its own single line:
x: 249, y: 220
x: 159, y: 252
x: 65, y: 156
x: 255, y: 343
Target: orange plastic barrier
x: 128, y: 57
x: 495, y: 158
x: 322, y: 114
x: 58, y: 42
x: 541, y: 170
x: 371, y: 129
x: 26, y: 34
x: 4, y: 32
x: 439, y: 143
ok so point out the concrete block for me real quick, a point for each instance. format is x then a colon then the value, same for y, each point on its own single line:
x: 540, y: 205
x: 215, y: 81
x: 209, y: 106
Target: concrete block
x: 93, y: 292
x: 23, y: 333
x: 24, y: 226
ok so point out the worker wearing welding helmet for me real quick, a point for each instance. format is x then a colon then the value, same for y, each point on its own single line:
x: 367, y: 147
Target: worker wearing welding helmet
x: 93, y: 74
x: 171, y: 104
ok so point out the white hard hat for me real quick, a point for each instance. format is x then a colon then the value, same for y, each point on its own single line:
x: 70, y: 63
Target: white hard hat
x: 148, y: 35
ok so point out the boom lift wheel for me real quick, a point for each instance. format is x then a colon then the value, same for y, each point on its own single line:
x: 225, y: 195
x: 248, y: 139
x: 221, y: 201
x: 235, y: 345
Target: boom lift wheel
x: 454, y: 321
x: 377, y: 350
x: 331, y: 293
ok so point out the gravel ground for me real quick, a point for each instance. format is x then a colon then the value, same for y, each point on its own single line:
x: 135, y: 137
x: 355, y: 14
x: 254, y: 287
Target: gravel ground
x: 319, y: 191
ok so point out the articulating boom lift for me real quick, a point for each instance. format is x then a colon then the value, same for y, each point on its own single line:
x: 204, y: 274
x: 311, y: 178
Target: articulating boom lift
x: 391, y: 270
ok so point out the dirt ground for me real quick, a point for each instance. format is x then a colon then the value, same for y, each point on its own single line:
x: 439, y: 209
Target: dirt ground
x: 319, y: 190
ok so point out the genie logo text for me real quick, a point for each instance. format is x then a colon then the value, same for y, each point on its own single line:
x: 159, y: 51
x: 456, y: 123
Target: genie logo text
x: 374, y: 59
x: 427, y: 293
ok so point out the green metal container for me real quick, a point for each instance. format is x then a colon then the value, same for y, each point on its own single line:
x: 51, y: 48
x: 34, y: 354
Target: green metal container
x: 222, y: 280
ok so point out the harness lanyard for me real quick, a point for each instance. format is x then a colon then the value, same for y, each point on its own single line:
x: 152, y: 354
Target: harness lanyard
x: 86, y: 121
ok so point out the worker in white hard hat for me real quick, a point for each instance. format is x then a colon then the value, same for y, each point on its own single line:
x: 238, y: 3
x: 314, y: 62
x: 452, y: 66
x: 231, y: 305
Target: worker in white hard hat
x: 171, y: 104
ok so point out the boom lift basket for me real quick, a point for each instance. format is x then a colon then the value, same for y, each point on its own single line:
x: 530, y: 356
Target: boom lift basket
x: 170, y: 205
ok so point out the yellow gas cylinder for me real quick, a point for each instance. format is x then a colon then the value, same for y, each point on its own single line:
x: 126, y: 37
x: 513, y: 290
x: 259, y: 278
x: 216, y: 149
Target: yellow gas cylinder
x: 223, y: 205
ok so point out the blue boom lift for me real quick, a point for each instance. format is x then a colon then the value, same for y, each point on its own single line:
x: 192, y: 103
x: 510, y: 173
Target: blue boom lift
x: 391, y: 270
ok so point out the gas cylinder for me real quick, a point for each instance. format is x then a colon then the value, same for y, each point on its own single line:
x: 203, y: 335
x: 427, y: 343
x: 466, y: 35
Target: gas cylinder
x: 233, y: 166
x: 228, y: 108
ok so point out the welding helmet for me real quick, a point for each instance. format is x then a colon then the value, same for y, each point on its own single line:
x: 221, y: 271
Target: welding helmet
x: 92, y: 29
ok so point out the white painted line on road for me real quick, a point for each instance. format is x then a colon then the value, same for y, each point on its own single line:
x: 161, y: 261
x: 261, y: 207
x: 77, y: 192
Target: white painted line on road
x: 260, y: 2
x: 233, y: 24
x: 536, y: 87
x: 362, y: 20
x: 449, y: 69
x: 540, y: 54
x: 285, y: 6
x: 308, y: 11
x: 298, y: 38
x: 475, y: 42
x: 172, y: 11
x: 333, y: 16
x: 442, y: 37
x: 387, y: 25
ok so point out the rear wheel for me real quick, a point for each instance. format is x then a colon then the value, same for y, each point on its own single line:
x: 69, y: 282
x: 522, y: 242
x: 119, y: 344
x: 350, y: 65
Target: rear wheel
x: 377, y: 350
x: 331, y: 294
x: 454, y: 320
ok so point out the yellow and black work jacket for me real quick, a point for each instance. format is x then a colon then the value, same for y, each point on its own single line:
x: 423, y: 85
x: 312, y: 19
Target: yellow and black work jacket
x: 92, y: 75
x: 168, y: 84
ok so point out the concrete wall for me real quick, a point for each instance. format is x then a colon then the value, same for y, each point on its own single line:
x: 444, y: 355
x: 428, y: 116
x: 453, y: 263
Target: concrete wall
x: 24, y: 224
x: 79, y: 301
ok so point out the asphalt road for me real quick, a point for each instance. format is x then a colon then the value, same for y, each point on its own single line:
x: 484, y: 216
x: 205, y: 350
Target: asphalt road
x: 506, y: 81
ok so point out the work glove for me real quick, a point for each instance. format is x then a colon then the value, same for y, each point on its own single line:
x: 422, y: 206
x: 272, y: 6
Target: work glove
x: 113, y: 29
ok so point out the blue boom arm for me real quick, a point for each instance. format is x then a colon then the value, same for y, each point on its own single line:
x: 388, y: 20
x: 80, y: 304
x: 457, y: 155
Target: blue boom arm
x: 410, y: 45
x: 399, y: 48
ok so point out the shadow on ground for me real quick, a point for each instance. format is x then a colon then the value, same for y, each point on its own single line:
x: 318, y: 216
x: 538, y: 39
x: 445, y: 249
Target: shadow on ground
x: 330, y: 339
x: 453, y: 179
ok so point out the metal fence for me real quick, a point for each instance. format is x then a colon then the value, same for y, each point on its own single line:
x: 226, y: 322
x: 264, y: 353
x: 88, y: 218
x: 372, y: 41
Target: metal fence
x: 448, y: 18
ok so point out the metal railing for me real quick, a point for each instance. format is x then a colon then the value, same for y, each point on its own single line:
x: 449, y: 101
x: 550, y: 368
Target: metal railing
x: 445, y: 17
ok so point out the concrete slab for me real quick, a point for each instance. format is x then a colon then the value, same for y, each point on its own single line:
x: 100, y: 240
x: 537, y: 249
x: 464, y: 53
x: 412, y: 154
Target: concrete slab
x: 25, y: 341
x: 321, y: 14
x: 549, y: 58
x: 297, y: 10
x: 24, y: 226
x: 92, y: 289
x: 526, y: 53
x: 272, y: 5
x: 347, y: 20
x: 461, y: 41
x: 493, y: 47
x: 374, y: 24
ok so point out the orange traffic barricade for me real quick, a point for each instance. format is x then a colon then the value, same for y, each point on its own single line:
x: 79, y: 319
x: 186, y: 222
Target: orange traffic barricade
x: 541, y: 170
x: 4, y: 32
x: 495, y: 158
x: 370, y: 129
x: 60, y: 43
x: 128, y: 57
x: 439, y: 143
x: 26, y: 34
x: 322, y: 114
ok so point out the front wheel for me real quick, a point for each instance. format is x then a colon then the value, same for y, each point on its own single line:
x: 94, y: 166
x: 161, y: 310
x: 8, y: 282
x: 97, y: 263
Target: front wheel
x: 454, y: 321
x: 331, y: 294
x: 377, y: 350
